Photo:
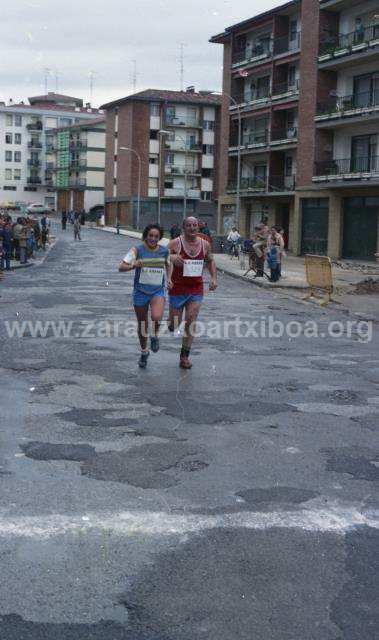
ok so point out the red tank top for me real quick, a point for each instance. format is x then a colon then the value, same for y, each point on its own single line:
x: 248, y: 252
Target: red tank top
x: 184, y: 284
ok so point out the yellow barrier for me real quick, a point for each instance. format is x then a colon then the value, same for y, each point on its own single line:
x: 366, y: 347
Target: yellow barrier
x: 318, y: 271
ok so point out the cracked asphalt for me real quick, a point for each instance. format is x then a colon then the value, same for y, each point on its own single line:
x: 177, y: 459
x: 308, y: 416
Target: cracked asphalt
x: 234, y: 501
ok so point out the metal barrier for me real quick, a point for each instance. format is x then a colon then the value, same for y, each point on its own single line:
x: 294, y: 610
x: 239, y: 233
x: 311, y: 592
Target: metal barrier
x: 319, y: 276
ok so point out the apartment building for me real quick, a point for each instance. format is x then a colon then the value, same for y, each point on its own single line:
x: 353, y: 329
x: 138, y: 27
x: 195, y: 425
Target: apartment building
x: 162, y: 151
x: 24, y: 137
x: 304, y: 78
x: 75, y: 164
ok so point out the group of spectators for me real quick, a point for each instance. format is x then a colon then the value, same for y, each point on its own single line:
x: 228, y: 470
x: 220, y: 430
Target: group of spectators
x: 76, y: 218
x: 268, y: 245
x: 20, y: 238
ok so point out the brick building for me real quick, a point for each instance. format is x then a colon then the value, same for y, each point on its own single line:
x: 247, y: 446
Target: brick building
x: 176, y: 136
x: 305, y: 79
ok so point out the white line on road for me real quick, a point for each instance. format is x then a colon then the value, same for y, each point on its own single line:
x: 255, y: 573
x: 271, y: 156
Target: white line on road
x: 338, y: 520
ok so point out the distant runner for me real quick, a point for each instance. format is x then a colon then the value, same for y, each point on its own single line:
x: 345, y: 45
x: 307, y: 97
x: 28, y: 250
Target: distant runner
x: 188, y: 254
x: 151, y: 262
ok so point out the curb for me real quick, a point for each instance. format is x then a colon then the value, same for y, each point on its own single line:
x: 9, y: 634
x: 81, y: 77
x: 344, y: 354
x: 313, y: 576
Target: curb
x: 16, y: 267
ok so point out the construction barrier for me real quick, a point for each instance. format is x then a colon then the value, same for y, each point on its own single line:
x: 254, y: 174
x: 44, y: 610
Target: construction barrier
x: 319, y: 276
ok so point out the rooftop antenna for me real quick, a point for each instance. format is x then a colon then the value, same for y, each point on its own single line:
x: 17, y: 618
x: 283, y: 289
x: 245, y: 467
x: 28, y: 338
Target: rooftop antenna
x: 91, y: 78
x: 57, y: 74
x: 46, y: 76
x: 181, y: 60
x: 134, y: 75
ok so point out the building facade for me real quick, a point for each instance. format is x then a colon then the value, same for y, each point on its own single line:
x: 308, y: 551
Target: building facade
x: 75, y: 165
x: 25, y: 137
x: 304, y: 78
x: 162, y: 145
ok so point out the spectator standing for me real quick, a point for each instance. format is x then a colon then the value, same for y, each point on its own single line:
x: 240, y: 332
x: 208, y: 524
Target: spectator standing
x: 6, y: 241
x: 77, y: 229
x: 64, y: 220
x: 17, y: 230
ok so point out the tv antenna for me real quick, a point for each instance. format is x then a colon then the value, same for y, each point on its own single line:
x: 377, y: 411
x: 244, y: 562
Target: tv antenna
x: 91, y: 76
x: 46, y: 76
x: 134, y: 75
x: 181, y: 61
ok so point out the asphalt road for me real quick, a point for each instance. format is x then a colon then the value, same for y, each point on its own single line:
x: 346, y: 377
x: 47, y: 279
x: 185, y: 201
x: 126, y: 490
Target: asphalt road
x: 235, y: 501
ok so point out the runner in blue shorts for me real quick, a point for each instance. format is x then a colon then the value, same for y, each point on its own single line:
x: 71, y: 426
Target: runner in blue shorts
x: 151, y: 263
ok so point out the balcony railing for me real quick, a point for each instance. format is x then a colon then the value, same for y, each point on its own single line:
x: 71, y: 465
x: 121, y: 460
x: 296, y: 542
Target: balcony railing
x: 78, y: 164
x: 252, y: 96
x: 78, y: 183
x: 250, y: 138
x: 77, y: 145
x: 35, y: 126
x: 345, y: 43
x: 181, y: 171
x: 34, y: 145
x: 282, y: 183
x: 34, y: 163
x: 178, y: 145
x: 50, y: 148
x: 33, y: 180
x: 284, y: 134
x: 249, y: 54
x: 285, y: 88
x: 171, y: 121
x: 342, y: 104
x: 283, y: 44
x: 348, y: 166
x: 248, y: 184
x: 177, y: 192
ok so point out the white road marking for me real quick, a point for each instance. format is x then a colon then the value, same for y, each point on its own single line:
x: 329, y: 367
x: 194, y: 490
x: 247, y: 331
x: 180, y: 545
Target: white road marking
x: 336, y: 519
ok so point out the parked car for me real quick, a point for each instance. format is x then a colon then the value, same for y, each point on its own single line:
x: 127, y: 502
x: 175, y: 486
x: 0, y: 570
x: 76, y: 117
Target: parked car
x: 37, y: 208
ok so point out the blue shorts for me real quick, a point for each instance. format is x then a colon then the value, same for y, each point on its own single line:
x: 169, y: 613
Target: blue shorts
x: 141, y: 299
x: 178, y: 302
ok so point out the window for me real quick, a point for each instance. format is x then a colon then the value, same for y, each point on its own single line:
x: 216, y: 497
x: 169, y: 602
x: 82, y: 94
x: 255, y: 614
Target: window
x: 293, y: 30
x: 17, y: 138
x: 8, y: 156
x: 154, y: 109
x: 17, y: 174
x: 153, y: 134
x: 18, y: 121
x: 65, y: 122
x: 288, y: 164
x: 8, y: 174
x: 9, y: 119
x: 206, y: 195
x: 291, y: 76
x: 208, y: 149
x: 8, y: 138
x: 168, y: 184
x: 30, y: 188
x: 262, y: 87
x: 209, y: 125
x: 207, y: 173
x: 153, y: 159
x: 170, y: 158
x: 17, y: 156
x: 9, y: 188
x: 170, y: 113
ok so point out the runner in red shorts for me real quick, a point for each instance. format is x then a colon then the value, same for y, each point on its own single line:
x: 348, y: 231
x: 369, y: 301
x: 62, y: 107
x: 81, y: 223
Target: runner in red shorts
x: 189, y: 253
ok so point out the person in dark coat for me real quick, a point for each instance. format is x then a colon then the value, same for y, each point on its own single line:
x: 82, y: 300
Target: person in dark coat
x: 64, y: 220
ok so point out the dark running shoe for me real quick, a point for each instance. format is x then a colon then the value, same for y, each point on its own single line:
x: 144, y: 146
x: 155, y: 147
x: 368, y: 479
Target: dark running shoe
x: 154, y: 343
x: 142, y: 362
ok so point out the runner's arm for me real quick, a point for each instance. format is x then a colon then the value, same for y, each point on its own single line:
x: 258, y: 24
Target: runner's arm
x: 129, y: 262
x: 169, y: 269
x: 173, y: 248
x: 211, y: 266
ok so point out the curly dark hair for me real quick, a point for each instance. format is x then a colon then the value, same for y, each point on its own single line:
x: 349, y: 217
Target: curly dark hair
x: 149, y: 227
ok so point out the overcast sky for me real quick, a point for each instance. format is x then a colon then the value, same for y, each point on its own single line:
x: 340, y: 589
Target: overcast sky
x: 74, y: 37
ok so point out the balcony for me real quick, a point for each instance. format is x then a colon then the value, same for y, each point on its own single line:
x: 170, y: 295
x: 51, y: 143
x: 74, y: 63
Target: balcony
x: 171, y: 169
x: 249, y: 55
x: 78, y: 165
x: 287, y: 135
x: 283, y: 44
x: 250, y: 140
x: 34, y: 145
x: 50, y: 148
x: 179, y: 193
x: 337, y: 46
x: 249, y: 185
x: 34, y: 163
x: 35, y: 126
x: 33, y: 180
x: 281, y: 183
x: 285, y: 90
x: 253, y: 98
x: 347, y: 169
x: 77, y: 183
x: 178, y: 145
x: 191, y: 123
x: 76, y: 145
x: 337, y: 107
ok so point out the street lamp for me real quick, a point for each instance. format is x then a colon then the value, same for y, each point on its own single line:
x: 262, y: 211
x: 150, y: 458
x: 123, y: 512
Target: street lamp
x: 139, y: 181
x: 238, y: 192
x: 163, y: 132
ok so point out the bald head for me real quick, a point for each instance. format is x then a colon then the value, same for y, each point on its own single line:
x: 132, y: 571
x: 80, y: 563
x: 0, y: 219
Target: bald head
x: 190, y: 228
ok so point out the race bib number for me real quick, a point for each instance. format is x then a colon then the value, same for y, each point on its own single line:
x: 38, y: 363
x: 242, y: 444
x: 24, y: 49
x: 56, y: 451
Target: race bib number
x: 151, y: 275
x: 193, y: 268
